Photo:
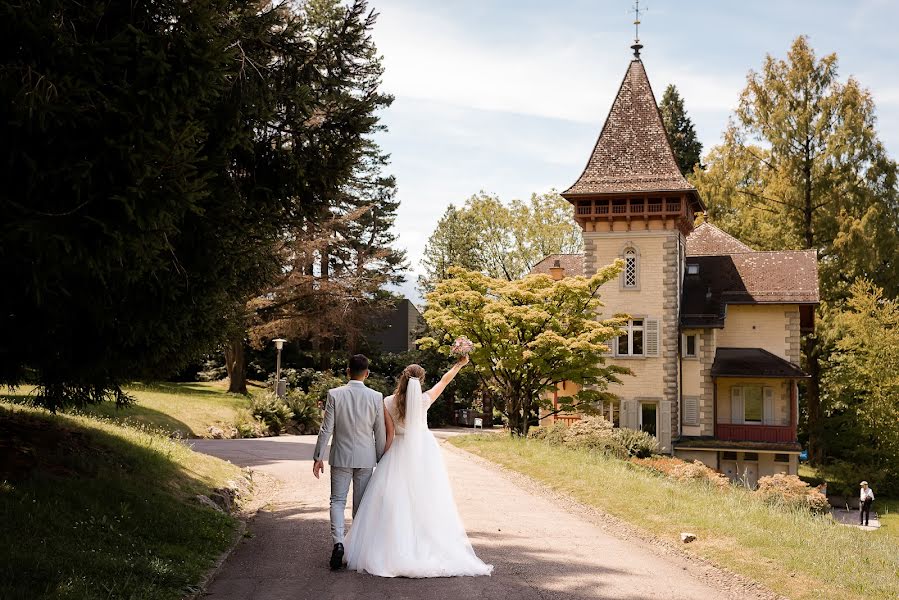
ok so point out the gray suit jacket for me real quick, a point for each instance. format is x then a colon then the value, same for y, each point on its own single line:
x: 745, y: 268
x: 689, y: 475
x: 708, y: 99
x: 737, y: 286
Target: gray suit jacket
x: 355, y: 416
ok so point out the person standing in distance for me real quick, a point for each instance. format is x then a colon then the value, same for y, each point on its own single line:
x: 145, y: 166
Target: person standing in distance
x: 354, y: 414
x: 865, y: 498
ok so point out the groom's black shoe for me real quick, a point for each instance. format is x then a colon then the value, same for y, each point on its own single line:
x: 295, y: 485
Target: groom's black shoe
x: 337, y: 557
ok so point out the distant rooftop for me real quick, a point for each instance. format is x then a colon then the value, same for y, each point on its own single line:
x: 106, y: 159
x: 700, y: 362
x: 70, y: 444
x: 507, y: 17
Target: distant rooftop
x: 572, y: 263
x: 708, y: 239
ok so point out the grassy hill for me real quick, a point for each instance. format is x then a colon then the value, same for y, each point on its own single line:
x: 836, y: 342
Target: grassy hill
x: 186, y: 409
x: 797, y: 554
x: 94, y: 509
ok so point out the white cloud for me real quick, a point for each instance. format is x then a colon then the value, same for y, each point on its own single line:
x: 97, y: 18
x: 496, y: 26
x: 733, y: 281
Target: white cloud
x: 545, y: 74
x: 510, y: 97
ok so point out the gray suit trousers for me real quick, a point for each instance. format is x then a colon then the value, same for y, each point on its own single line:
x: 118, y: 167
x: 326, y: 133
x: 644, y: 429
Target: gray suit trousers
x: 340, y: 487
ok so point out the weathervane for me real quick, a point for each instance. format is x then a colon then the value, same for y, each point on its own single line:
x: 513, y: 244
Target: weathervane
x: 637, y: 45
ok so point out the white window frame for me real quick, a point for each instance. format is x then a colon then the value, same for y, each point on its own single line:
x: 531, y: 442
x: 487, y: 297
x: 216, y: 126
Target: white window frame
x: 630, y: 272
x: 738, y: 401
x: 629, y: 250
x: 695, y: 345
x: 629, y: 329
x: 613, y: 412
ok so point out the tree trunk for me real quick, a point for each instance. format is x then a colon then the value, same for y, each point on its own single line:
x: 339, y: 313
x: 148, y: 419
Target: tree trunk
x: 516, y: 416
x: 325, y: 352
x: 487, y: 403
x: 236, y: 363
x: 811, y: 346
x: 813, y: 401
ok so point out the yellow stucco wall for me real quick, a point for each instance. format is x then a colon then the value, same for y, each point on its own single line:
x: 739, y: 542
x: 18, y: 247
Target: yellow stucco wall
x: 647, y: 300
x: 758, y: 326
x: 692, y: 367
x: 766, y: 464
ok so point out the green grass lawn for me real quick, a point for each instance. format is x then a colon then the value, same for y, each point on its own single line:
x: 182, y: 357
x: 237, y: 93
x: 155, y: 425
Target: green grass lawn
x: 187, y: 409
x: 792, y: 552
x: 92, y: 509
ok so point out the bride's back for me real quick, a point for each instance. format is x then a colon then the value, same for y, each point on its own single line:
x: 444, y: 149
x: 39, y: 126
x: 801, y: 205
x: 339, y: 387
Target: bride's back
x: 398, y: 421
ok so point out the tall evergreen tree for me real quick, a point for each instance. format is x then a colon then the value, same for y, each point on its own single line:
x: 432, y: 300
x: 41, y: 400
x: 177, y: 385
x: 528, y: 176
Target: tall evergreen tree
x: 801, y: 167
x: 681, y: 133
x: 336, y: 263
x: 453, y: 243
x: 143, y: 182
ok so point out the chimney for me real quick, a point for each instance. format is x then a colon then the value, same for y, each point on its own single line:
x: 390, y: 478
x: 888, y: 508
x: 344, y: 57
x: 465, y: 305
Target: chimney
x: 557, y: 271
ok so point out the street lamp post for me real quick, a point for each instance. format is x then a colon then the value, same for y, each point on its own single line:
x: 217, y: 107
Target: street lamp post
x: 280, y: 389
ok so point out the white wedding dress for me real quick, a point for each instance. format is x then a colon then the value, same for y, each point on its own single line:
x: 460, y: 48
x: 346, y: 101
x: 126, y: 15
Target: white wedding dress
x: 407, y: 524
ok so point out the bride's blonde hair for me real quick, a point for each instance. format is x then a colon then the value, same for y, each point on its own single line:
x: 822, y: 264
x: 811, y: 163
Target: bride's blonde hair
x: 399, y: 395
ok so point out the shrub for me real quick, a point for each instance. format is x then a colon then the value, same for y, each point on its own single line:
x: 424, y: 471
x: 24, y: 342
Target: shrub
x: 555, y: 434
x: 636, y: 443
x: 789, y: 490
x: 212, y: 370
x: 843, y: 476
x: 698, y: 471
x: 321, y: 382
x: 272, y: 411
x: 306, y: 415
x: 538, y: 433
x: 681, y: 470
x: 248, y: 426
x: 593, y: 433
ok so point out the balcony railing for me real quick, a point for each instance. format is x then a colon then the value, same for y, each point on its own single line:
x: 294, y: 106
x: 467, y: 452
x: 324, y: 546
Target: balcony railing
x: 636, y: 207
x: 750, y: 432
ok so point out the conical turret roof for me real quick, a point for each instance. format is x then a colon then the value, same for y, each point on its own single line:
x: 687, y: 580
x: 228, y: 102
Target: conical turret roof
x: 632, y: 153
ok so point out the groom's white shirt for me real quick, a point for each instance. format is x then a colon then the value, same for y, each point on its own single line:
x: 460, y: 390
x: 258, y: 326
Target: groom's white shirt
x: 354, y: 415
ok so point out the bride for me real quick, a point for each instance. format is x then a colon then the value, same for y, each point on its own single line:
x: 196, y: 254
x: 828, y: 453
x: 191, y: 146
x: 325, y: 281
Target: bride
x: 407, y: 524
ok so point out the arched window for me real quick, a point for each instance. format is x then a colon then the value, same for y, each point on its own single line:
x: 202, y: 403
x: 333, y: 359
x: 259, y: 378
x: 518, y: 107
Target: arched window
x: 630, y: 268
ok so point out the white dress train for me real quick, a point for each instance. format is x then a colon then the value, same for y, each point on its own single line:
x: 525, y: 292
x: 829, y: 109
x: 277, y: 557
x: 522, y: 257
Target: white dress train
x: 408, y: 524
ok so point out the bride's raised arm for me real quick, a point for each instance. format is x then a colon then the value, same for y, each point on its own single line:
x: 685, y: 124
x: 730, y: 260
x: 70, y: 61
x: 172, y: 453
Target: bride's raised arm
x: 438, y: 388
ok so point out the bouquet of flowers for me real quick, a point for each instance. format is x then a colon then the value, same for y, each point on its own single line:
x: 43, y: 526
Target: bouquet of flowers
x: 462, y: 346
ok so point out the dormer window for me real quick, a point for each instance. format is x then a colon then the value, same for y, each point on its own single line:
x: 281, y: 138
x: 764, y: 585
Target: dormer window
x: 630, y: 268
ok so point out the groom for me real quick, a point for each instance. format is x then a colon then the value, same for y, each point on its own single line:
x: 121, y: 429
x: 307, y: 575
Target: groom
x: 355, y: 415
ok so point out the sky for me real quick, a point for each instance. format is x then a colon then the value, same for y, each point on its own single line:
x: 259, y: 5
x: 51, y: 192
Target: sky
x: 508, y: 96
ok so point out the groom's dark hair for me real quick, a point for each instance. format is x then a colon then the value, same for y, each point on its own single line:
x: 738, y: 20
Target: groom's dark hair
x: 358, y: 365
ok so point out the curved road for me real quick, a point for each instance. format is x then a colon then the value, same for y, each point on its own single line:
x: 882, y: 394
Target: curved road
x: 540, y: 550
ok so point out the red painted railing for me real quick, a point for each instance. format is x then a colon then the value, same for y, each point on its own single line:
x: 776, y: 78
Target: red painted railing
x: 755, y: 433
x: 567, y: 419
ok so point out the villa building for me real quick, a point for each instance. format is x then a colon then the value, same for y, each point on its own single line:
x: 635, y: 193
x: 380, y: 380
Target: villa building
x: 714, y: 334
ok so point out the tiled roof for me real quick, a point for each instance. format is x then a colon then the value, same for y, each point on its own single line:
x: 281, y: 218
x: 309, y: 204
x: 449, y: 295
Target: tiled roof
x: 752, y: 362
x: 632, y: 153
x: 788, y: 277
x: 708, y: 239
x: 572, y: 263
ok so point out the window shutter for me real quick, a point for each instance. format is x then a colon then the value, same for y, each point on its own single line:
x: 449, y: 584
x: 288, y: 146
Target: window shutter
x: 691, y: 410
x: 768, y: 417
x: 736, y: 404
x: 628, y: 414
x: 651, y: 337
x: 664, y: 429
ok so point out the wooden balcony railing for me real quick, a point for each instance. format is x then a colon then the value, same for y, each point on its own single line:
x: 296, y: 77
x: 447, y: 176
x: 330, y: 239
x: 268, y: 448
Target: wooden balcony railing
x: 567, y: 419
x: 748, y: 432
x: 634, y: 207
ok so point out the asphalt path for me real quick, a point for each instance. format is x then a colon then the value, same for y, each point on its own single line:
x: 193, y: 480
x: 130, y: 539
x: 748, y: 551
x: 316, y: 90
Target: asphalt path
x: 540, y: 550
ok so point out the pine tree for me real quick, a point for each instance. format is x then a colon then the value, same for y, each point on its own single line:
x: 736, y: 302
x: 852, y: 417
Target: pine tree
x: 336, y: 262
x: 801, y: 167
x: 681, y: 133
x: 142, y: 184
x: 454, y: 242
